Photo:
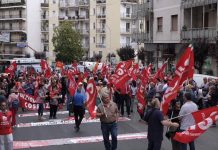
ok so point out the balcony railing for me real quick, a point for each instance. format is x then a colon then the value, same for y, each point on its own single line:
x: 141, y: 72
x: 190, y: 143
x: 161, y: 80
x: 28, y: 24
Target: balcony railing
x: 195, y: 3
x: 22, y: 3
x: 44, y: 29
x: 15, y: 28
x: 83, y: 31
x: 125, y: 30
x: 141, y: 37
x: 101, y: 30
x: 101, y: 15
x: 101, y: 1
x: 17, y: 39
x: 129, y: 1
x: 44, y: 17
x: 83, y: 3
x: 45, y: 4
x: 14, y: 16
x: 85, y: 45
x: 199, y: 33
x: 101, y: 45
x: 44, y: 40
x: 125, y: 15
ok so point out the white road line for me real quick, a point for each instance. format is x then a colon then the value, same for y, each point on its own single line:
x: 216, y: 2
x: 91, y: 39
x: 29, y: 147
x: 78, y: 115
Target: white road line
x: 77, y: 140
x: 63, y: 121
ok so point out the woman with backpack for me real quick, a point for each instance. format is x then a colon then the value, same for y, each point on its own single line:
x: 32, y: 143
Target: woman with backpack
x: 13, y: 105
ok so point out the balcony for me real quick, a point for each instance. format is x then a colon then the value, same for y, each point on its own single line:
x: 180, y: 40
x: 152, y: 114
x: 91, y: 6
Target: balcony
x: 85, y: 45
x: 83, y: 31
x: 129, y: 1
x: 196, y: 3
x: 45, y: 41
x: 44, y: 29
x: 101, y: 1
x: 101, y: 15
x: 101, y: 30
x: 45, y: 4
x: 125, y: 16
x: 9, y: 4
x: 62, y: 5
x: 125, y: 44
x: 17, y: 39
x: 13, y: 29
x: 44, y: 17
x: 125, y: 31
x: 13, y: 17
x: 101, y: 45
x: 209, y: 34
x: 83, y: 3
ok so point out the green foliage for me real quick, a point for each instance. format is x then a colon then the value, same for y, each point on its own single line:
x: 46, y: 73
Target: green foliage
x: 67, y: 43
x: 126, y: 53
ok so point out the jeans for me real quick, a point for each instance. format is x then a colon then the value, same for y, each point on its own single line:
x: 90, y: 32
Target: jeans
x: 154, y: 145
x: 183, y: 146
x: 53, y: 111
x: 107, y: 129
x: 79, y: 112
x: 6, y: 142
x: 40, y: 109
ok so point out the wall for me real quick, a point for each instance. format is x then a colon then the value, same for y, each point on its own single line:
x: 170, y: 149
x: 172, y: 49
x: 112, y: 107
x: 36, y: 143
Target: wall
x: 34, y: 25
x: 166, y: 8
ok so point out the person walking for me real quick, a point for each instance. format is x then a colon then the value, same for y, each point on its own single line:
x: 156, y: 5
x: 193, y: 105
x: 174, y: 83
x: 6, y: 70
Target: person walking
x: 156, y: 122
x: 6, y: 137
x: 13, y: 105
x: 79, y: 101
x: 108, y: 113
x: 187, y: 120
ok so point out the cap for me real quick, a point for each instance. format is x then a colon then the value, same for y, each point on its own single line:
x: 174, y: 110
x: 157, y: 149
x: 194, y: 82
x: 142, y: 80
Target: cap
x: 80, y: 83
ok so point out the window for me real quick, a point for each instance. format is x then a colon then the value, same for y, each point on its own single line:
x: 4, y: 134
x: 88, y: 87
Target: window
x: 54, y: 1
x: 127, y: 12
x: 160, y: 24
x: 100, y: 53
x: 127, y: 27
x: 127, y: 40
x: 174, y: 23
x: 53, y: 13
x: 93, y: 39
x: 54, y: 26
x: 141, y: 26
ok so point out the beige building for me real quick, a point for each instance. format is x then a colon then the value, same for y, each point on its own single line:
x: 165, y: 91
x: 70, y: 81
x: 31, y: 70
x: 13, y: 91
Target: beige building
x: 106, y: 25
x: 166, y: 27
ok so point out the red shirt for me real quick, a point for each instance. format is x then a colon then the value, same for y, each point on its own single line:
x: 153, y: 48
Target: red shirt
x: 5, y: 123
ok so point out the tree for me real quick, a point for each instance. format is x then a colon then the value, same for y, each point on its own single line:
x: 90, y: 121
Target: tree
x: 126, y: 53
x: 201, y: 50
x: 67, y: 43
x: 142, y: 55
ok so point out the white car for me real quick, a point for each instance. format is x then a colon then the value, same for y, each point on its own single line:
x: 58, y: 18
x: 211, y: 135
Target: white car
x: 198, y: 78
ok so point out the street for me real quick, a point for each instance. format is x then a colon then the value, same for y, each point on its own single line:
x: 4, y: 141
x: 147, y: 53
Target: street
x: 59, y: 134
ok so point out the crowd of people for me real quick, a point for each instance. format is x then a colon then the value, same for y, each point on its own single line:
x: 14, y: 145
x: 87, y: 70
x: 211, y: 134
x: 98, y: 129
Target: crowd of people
x: 111, y: 103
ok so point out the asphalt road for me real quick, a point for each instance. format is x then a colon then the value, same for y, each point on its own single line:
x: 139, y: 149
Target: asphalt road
x: 61, y: 136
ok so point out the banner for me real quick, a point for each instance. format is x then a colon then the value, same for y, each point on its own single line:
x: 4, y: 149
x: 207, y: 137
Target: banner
x: 30, y: 102
x: 91, y: 93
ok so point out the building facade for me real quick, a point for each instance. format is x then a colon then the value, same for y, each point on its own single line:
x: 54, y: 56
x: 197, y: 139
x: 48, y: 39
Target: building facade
x: 166, y: 27
x: 105, y: 25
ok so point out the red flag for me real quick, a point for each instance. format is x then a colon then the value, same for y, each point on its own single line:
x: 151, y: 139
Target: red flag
x: 141, y: 99
x: 45, y: 68
x: 184, y: 70
x: 91, y: 93
x: 95, y: 68
x: 120, y: 77
x: 160, y: 73
x: 11, y: 68
x: 149, y: 69
x: 204, y: 120
x: 134, y: 71
x: 125, y: 64
x: 144, y: 76
x: 104, y: 69
x: 60, y: 65
x: 72, y: 85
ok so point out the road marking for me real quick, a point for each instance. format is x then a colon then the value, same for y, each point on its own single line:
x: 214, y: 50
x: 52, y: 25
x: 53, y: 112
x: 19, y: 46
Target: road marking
x: 77, y: 140
x: 44, y: 114
x: 69, y: 120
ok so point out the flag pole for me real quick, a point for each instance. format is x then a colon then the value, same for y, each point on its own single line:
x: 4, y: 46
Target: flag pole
x: 180, y: 116
x: 102, y: 104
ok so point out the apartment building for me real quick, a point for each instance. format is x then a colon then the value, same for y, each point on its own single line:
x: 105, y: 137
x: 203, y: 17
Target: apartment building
x: 166, y: 26
x: 27, y: 24
x: 105, y: 25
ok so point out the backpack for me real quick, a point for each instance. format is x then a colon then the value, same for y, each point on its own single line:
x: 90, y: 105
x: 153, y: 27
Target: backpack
x: 15, y: 103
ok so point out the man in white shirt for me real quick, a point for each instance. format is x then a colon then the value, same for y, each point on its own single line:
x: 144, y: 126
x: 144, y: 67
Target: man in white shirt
x: 187, y: 120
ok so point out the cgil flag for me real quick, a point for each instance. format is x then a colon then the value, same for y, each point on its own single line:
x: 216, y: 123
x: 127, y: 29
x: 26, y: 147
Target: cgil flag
x: 11, y: 68
x: 91, y: 94
x: 203, y: 120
